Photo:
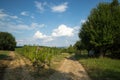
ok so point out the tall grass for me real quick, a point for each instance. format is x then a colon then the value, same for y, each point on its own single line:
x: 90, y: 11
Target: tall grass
x: 40, y: 56
x: 101, y: 68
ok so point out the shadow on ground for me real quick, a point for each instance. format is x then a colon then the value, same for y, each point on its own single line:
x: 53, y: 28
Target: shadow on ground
x: 51, y: 74
x: 5, y: 57
x: 43, y: 74
x: 4, y: 61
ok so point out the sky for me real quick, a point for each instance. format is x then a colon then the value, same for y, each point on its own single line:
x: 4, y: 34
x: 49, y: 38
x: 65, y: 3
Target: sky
x: 45, y: 22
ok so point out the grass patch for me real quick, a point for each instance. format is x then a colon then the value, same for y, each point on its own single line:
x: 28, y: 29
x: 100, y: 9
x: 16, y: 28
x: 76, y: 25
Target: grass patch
x: 101, y: 68
x: 4, y: 55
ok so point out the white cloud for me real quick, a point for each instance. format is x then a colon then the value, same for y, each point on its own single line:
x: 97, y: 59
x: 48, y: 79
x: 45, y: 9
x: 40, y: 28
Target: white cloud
x: 45, y: 38
x: 24, y: 13
x: 60, y: 8
x: 21, y: 27
x: 29, y: 27
x: 4, y: 15
x: 33, y: 25
x: 63, y: 30
x: 40, y: 5
x: 12, y: 26
x: 40, y: 38
x: 39, y: 35
x: 48, y: 39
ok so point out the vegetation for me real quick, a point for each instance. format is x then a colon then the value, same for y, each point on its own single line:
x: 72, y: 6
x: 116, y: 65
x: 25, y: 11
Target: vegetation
x: 100, y: 68
x: 101, y: 31
x: 40, y: 56
x: 4, y: 55
x: 45, y: 60
x: 7, y: 41
x: 70, y: 49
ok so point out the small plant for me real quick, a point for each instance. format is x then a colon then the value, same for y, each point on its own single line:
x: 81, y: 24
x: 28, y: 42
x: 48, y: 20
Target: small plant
x: 41, y: 57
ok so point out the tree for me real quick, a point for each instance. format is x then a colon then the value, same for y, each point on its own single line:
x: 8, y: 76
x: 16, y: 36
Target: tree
x: 7, y: 41
x: 70, y: 49
x: 78, y: 46
x: 115, y: 3
x: 115, y: 11
x: 101, y: 29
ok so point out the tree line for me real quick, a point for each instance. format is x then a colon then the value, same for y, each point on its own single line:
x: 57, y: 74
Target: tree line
x: 101, y: 31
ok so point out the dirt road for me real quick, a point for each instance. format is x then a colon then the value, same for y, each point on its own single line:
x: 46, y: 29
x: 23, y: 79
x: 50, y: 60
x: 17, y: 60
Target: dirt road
x: 70, y: 70
x: 19, y: 69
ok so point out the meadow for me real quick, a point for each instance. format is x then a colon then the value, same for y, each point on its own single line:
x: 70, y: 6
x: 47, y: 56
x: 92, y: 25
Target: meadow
x: 47, y: 59
x: 100, y: 68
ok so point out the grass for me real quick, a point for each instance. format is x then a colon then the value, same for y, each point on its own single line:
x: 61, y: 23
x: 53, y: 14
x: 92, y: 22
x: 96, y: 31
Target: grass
x: 4, y: 55
x: 44, y: 73
x: 101, y: 68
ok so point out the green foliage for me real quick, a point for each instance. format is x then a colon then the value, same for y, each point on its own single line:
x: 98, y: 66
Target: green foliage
x: 101, y: 68
x: 40, y: 56
x: 101, y: 31
x: 7, y: 41
x: 70, y: 49
x: 78, y: 46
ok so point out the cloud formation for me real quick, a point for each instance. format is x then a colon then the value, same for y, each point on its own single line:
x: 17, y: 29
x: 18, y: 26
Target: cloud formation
x: 9, y: 26
x: 40, y: 6
x: 4, y: 15
x: 60, y: 8
x: 39, y: 35
x: 63, y: 30
x: 45, y: 38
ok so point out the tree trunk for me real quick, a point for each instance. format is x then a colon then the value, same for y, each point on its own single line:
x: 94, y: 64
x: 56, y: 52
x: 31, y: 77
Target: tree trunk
x: 101, y: 54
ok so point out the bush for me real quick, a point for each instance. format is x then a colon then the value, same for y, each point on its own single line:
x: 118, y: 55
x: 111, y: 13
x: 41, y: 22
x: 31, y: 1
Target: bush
x: 7, y: 41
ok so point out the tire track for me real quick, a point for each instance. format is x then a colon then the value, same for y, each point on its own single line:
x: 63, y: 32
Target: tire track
x: 17, y: 69
x: 70, y: 70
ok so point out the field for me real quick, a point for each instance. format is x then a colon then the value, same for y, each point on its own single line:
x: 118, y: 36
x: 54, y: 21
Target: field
x: 101, y: 68
x: 48, y: 63
x: 41, y: 63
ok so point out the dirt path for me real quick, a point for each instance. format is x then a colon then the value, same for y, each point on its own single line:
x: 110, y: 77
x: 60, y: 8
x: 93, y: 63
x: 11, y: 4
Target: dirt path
x: 70, y: 70
x: 18, y: 69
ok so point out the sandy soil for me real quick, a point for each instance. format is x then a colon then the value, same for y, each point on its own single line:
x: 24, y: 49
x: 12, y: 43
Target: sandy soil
x: 19, y: 69
x: 70, y: 70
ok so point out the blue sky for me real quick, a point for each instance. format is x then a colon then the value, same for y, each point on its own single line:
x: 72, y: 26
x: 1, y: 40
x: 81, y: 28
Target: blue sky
x: 45, y: 22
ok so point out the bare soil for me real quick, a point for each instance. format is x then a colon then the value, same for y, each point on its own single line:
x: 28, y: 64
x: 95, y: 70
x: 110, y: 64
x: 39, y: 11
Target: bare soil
x: 4, y: 61
x: 70, y: 70
x: 19, y: 68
